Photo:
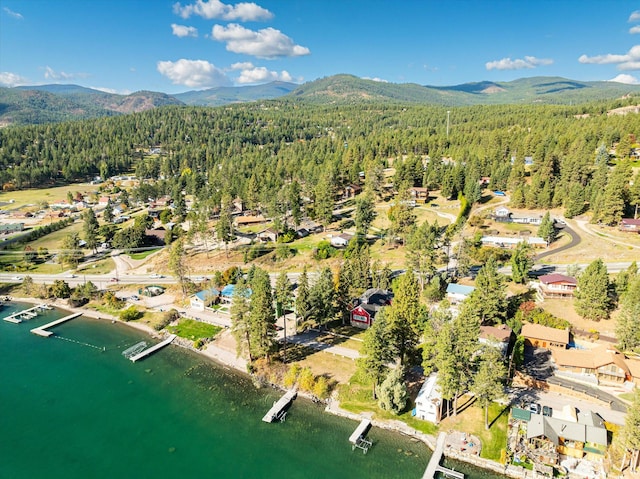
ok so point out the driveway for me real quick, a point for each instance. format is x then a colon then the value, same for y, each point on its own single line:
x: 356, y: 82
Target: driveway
x: 575, y: 240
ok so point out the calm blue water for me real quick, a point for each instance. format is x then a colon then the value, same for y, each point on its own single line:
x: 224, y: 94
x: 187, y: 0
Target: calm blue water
x: 69, y: 409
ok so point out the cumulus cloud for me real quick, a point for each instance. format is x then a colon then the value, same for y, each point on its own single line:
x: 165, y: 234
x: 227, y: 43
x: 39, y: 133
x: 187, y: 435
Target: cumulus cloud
x: 518, y: 63
x: 628, y: 61
x: 265, y: 43
x: 381, y: 80
x: 183, y: 30
x: 249, y: 73
x: 193, y: 73
x: 244, y: 11
x: 51, y: 74
x: 13, y: 14
x: 634, y: 30
x: 626, y: 78
x: 635, y: 16
x: 11, y: 79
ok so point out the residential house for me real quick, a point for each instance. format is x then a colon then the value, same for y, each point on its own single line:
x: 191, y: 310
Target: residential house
x: 204, y: 299
x: 502, y: 214
x: 103, y: 201
x: 586, y: 438
x: 633, y: 364
x: 457, y: 293
x: 538, y: 336
x: 249, y: 220
x: 556, y: 285
x: 419, y: 195
x: 10, y: 228
x: 226, y: 293
x: 497, y: 336
x: 351, y: 191
x: 270, y: 234
x: 429, y: 400
x: 630, y: 224
x: 367, y: 306
x: 512, y: 242
x: 341, y: 240
x: 596, y: 366
x: 156, y: 235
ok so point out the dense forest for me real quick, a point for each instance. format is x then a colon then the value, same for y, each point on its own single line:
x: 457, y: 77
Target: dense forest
x: 253, y: 150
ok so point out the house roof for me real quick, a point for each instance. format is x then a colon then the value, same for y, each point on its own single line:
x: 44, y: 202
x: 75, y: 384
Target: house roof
x: 591, y: 359
x: 634, y: 367
x: 553, y: 429
x: 455, y: 288
x: 376, y: 296
x: 501, y: 333
x: 537, y: 331
x: 245, y: 220
x: 229, y: 289
x: 430, y: 391
x: 630, y: 221
x: 207, y: 294
x: 557, y: 278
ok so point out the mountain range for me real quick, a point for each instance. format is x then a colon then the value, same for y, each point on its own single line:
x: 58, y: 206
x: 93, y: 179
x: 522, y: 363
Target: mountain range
x: 52, y: 103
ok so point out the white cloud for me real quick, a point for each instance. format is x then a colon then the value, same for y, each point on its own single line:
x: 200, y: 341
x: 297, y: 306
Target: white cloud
x: 628, y: 61
x: 518, y: 63
x: 244, y: 11
x: 381, y: 80
x: 11, y: 79
x: 51, y: 74
x: 193, y: 73
x: 627, y: 79
x: 183, y: 30
x: 242, y: 66
x: 261, y: 74
x: 635, y: 16
x: 265, y: 43
x: 13, y: 14
x: 634, y: 30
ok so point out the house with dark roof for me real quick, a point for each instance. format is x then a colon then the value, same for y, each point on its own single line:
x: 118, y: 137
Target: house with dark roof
x: 270, y: 234
x: 419, y: 194
x: 538, y: 336
x: 630, y: 224
x: 367, y: 306
x: 556, y: 285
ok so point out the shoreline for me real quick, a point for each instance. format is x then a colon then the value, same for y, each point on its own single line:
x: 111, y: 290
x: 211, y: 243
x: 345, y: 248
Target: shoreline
x: 224, y: 358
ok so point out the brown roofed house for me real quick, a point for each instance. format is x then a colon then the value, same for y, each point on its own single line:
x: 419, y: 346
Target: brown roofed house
x: 538, y: 336
x: 601, y: 365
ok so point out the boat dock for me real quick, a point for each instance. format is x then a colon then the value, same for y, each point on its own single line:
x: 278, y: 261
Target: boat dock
x: 434, y: 463
x: 277, y: 411
x: 153, y: 349
x: 25, y: 314
x: 43, y: 330
x: 358, y: 438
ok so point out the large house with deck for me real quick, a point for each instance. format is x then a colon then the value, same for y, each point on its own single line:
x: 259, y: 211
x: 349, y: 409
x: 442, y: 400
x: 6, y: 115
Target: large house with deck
x: 367, y: 306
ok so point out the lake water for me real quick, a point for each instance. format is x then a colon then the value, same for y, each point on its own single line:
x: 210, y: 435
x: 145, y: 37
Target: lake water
x: 71, y: 406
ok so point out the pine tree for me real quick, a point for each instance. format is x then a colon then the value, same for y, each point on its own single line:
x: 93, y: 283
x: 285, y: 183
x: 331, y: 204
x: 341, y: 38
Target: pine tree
x: 592, y: 292
x: 487, y: 385
x: 403, y: 315
x: 177, y: 264
x: 365, y: 213
x: 393, y: 392
x: 375, y: 353
x: 546, y: 230
x: 262, y: 316
x: 283, y: 294
x: 322, y: 297
x: 630, y: 434
x: 240, y: 320
x: 628, y: 324
x: 488, y: 300
x: 521, y: 262
x: 303, y: 300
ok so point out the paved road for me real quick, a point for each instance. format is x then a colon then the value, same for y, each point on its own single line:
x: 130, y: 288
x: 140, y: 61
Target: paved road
x: 575, y: 240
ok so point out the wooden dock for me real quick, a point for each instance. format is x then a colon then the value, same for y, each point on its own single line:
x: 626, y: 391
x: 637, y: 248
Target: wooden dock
x: 43, y: 330
x: 153, y: 349
x: 277, y: 411
x: 29, y: 313
x: 358, y: 438
x: 434, y: 463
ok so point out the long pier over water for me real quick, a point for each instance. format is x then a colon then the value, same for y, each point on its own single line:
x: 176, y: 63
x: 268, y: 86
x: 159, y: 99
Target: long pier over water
x: 153, y: 349
x: 30, y: 313
x: 43, y: 330
x: 434, y: 463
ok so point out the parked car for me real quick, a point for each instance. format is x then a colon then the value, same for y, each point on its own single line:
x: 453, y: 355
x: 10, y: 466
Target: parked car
x: 547, y: 411
x: 534, y: 408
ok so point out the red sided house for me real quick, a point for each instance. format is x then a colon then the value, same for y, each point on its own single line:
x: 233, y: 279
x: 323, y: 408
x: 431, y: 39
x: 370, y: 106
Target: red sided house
x: 630, y: 224
x: 367, y: 306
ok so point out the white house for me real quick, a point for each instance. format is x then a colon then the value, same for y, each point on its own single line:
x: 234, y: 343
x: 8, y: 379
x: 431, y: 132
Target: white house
x: 429, y: 400
x: 341, y: 241
x: 457, y: 293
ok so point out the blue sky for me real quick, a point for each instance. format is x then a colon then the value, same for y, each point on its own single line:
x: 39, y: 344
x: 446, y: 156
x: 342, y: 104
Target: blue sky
x: 128, y: 45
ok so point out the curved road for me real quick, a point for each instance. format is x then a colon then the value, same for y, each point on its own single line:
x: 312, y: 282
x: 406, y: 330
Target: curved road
x: 575, y: 240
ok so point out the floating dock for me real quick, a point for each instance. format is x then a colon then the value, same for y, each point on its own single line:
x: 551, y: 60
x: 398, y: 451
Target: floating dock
x: 153, y: 349
x: 277, y: 411
x: 42, y: 330
x: 359, y: 437
x: 434, y: 463
x: 25, y: 314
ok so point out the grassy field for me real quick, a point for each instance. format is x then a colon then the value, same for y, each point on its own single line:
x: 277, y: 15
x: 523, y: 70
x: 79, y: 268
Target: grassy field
x: 53, y: 240
x: 23, y: 198
x: 103, y: 266
x: 143, y: 254
x: 194, y: 330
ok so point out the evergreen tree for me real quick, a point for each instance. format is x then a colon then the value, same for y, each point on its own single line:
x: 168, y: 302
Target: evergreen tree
x: 240, y: 320
x: 630, y: 434
x: 224, y: 226
x: 375, y: 353
x: 177, y: 264
x: 422, y: 250
x: 403, y: 316
x: 303, y: 299
x: 628, y: 324
x: 283, y: 294
x: 323, y: 204
x: 592, y: 292
x: 521, y: 262
x: 546, y: 230
x: 70, y: 253
x: 488, y: 300
x: 393, y: 392
x: 487, y: 385
x: 262, y: 315
x: 365, y: 213
x: 322, y: 297
x: 108, y: 212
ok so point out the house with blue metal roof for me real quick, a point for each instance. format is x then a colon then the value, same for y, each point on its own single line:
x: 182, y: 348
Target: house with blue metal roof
x: 457, y: 293
x: 204, y: 299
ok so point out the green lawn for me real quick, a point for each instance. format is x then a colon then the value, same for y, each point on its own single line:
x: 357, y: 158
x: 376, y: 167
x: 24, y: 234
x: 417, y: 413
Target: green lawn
x: 194, y: 330
x: 102, y: 266
x: 50, y: 195
x: 143, y: 254
x: 53, y: 240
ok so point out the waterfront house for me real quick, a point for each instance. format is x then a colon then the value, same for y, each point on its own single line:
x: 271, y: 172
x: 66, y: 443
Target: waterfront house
x: 429, y: 400
x: 204, y: 299
x: 538, y: 336
x: 556, y: 285
x: 367, y: 306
